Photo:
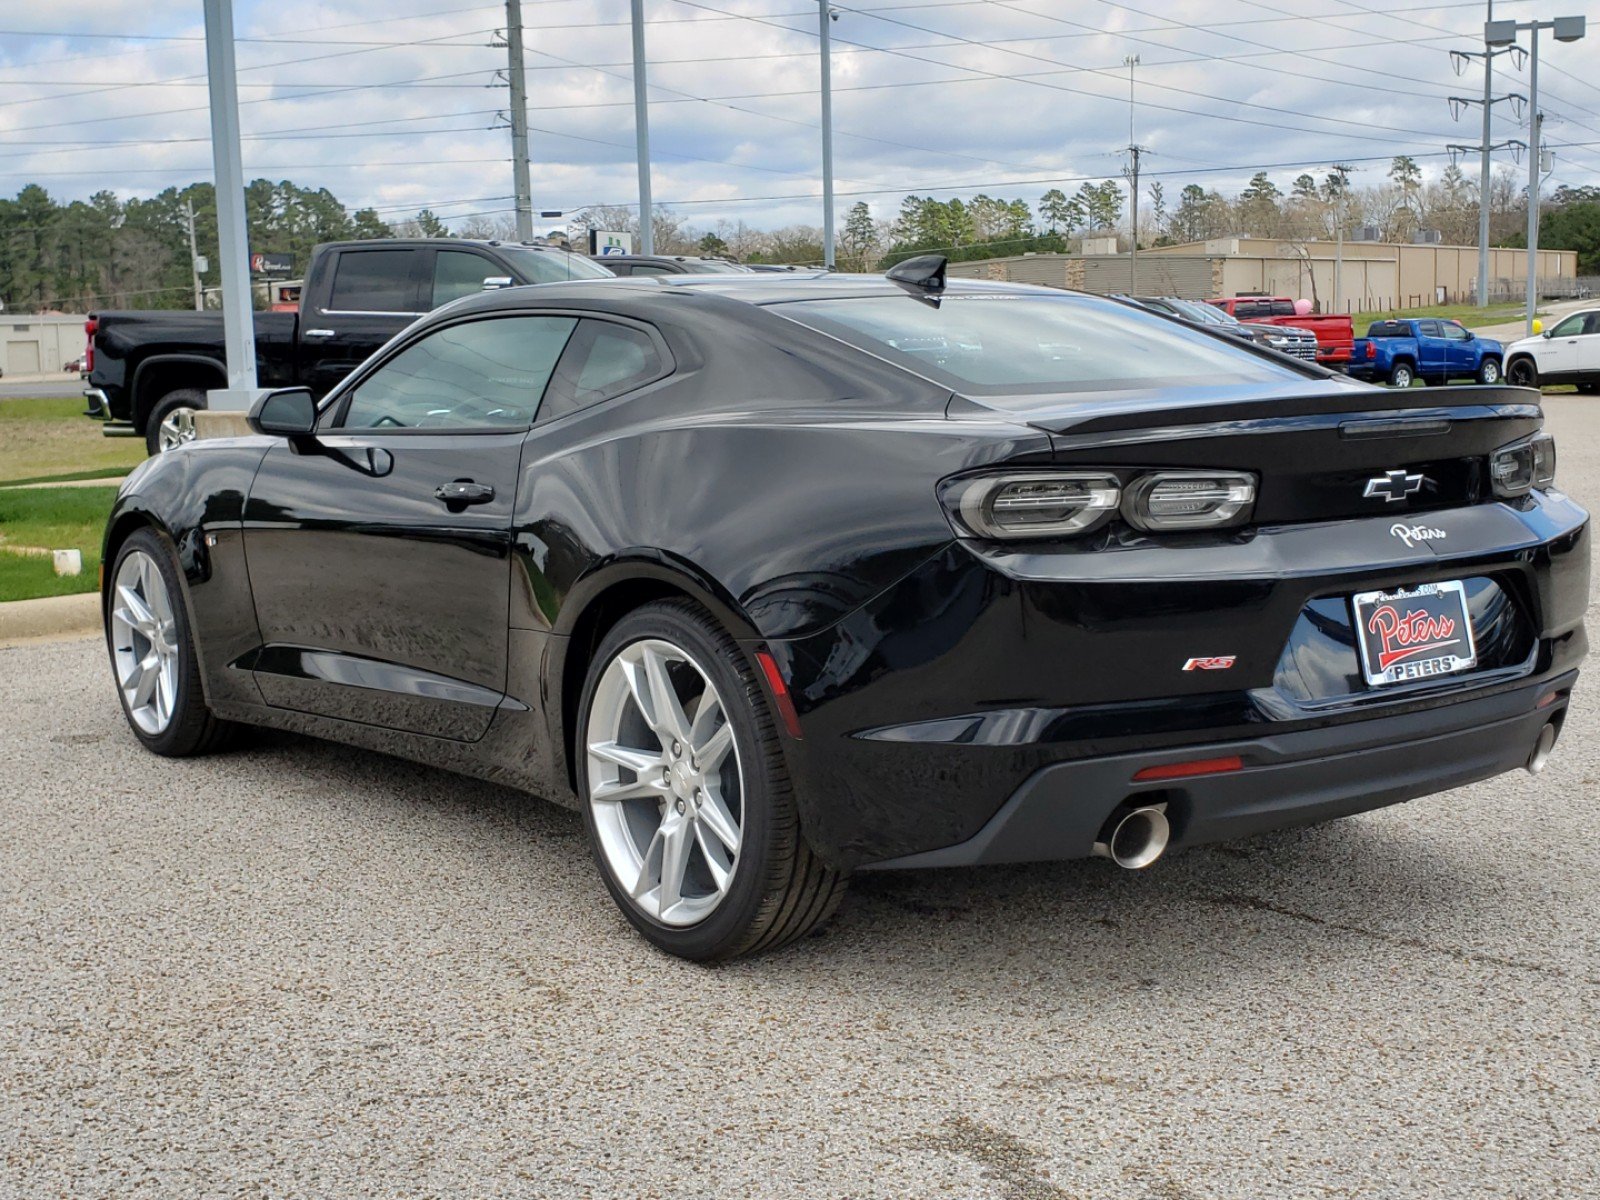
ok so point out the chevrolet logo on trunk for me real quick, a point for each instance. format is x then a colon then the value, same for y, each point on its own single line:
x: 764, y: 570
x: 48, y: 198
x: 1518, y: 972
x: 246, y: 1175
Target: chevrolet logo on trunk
x: 1393, y: 486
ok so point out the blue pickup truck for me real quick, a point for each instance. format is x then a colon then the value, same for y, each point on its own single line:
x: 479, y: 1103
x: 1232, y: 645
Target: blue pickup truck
x: 1435, y: 351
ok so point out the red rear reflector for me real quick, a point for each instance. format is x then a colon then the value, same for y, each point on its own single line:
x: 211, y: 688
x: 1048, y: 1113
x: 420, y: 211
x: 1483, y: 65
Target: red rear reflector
x: 1183, y: 770
x: 780, y: 694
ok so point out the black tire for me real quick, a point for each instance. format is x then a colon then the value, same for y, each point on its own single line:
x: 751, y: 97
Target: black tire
x: 780, y: 890
x: 1589, y: 389
x: 181, y: 398
x: 1521, y: 372
x: 1489, y: 371
x: 1402, y: 375
x: 192, y: 730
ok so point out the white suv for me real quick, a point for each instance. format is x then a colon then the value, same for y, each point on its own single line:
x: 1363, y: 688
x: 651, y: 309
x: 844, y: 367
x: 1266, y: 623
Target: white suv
x: 1567, y: 353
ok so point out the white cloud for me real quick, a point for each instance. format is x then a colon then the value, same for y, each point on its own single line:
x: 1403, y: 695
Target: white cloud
x: 1216, y: 84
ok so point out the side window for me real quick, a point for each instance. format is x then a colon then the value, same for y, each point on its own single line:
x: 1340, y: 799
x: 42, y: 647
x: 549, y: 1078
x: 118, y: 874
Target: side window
x: 1452, y: 331
x: 1428, y: 328
x: 1571, y: 327
x: 488, y: 374
x: 1591, y: 322
x: 458, y: 273
x: 1282, y: 308
x: 374, y: 281
x: 602, y: 360
x: 652, y: 269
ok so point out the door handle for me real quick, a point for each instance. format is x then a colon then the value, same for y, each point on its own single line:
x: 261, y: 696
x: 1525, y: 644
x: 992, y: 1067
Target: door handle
x: 316, y: 333
x: 459, y: 493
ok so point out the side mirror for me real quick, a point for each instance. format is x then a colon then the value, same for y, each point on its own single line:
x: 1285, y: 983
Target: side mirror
x: 495, y: 282
x: 288, y: 412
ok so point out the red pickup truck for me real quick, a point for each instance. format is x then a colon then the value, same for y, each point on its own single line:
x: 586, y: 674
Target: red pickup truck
x: 1335, y: 333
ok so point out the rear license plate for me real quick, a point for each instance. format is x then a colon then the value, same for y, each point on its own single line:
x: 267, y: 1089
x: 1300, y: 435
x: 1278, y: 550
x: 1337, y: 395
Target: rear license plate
x: 1414, y: 633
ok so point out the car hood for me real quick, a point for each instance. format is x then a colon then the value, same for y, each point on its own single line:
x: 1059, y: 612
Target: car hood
x: 1527, y: 343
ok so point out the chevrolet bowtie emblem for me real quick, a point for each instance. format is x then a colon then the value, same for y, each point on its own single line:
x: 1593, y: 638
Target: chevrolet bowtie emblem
x: 1392, y: 486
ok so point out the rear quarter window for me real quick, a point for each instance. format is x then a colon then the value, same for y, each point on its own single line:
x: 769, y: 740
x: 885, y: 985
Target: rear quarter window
x: 374, y: 281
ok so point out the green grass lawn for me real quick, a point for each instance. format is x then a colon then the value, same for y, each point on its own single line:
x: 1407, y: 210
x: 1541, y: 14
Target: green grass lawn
x: 1469, y: 315
x: 49, y: 440
x: 55, y: 519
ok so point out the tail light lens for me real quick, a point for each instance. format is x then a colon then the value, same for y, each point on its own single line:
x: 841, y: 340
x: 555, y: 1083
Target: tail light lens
x: 1372, y: 350
x: 1030, y: 505
x: 1178, y: 500
x: 89, y: 327
x: 1517, y: 469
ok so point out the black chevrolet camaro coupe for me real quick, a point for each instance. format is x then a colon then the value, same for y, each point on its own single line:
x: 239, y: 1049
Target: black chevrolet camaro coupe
x: 777, y: 579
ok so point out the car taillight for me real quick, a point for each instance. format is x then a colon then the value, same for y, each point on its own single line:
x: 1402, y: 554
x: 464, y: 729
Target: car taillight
x: 1372, y: 350
x: 1174, y: 500
x: 1517, y: 469
x: 89, y: 327
x: 1031, y: 504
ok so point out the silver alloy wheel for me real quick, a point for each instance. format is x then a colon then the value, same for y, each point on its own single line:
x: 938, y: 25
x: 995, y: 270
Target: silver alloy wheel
x: 665, y: 784
x: 144, y: 642
x: 1490, y: 371
x: 176, y: 428
x: 1401, y: 377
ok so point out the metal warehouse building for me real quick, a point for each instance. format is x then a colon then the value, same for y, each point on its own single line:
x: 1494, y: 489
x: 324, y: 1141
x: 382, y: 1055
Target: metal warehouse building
x: 38, y: 345
x: 1376, y: 275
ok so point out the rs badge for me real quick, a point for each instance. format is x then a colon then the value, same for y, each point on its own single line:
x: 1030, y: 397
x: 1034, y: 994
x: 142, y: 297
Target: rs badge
x: 1217, y: 662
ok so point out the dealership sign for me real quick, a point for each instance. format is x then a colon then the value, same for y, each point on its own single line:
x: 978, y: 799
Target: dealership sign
x: 272, y: 264
x: 603, y: 242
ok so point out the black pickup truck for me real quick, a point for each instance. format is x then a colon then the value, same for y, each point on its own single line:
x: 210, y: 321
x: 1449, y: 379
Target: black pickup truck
x: 149, y: 371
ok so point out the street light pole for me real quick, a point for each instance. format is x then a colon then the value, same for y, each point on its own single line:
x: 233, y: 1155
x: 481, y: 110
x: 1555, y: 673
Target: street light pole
x: 1484, y: 170
x: 233, y: 241
x: 1535, y: 119
x: 1134, y: 150
x: 641, y: 132
x: 825, y: 17
x: 1504, y: 33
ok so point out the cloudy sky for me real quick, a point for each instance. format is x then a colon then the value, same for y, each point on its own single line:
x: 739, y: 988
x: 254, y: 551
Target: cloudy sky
x: 393, y: 103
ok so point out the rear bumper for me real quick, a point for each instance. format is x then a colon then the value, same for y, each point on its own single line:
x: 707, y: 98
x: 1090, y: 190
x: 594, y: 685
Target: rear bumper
x: 99, y: 409
x: 1286, y: 779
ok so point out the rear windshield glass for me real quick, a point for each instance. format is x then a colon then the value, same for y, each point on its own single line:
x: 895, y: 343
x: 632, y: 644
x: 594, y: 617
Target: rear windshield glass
x: 553, y: 266
x: 1388, y: 329
x: 996, y: 342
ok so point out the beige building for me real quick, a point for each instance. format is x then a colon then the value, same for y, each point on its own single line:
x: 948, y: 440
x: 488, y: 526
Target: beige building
x: 1374, y: 275
x: 38, y: 345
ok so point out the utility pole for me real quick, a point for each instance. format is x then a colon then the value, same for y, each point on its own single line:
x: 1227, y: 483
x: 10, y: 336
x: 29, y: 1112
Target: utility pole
x: 1134, y: 150
x: 517, y: 77
x: 641, y: 132
x: 194, y: 256
x: 233, y: 240
x: 825, y: 17
x: 1486, y: 147
x: 1504, y: 33
x: 1341, y: 179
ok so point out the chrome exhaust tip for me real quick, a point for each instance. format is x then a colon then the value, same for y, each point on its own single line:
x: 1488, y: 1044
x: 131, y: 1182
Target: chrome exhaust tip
x: 1137, y: 838
x: 1541, y: 749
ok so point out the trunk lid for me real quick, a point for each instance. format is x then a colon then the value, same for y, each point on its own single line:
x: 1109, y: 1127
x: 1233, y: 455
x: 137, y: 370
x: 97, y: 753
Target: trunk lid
x: 1314, y: 452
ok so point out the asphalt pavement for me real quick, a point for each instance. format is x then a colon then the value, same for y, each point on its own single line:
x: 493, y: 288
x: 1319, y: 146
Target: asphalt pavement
x: 296, y: 969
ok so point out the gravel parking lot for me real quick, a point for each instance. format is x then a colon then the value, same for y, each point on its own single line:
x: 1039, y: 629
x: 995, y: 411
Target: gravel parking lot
x: 302, y: 970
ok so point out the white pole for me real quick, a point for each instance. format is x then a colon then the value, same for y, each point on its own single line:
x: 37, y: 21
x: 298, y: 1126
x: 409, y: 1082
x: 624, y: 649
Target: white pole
x: 641, y: 130
x: 1483, y: 171
x: 1534, y: 119
x: 823, y: 20
x: 519, y: 122
x: 233, y: 241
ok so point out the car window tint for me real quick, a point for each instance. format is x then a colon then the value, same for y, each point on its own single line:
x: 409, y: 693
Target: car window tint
x: 373, y: 281
x: 1452, y: 331
x: 1592, y: 323
x: 1246, y: 309
x: 603, y: 360
x: 481, y: 374
x: 458, y: 273
x: 652, y: 269
x: 1282, y: 308
x: 999, y: 343
x: 1571, y: 327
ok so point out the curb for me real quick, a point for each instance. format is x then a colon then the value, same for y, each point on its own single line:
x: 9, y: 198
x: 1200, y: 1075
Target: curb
x: 51, y: 618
